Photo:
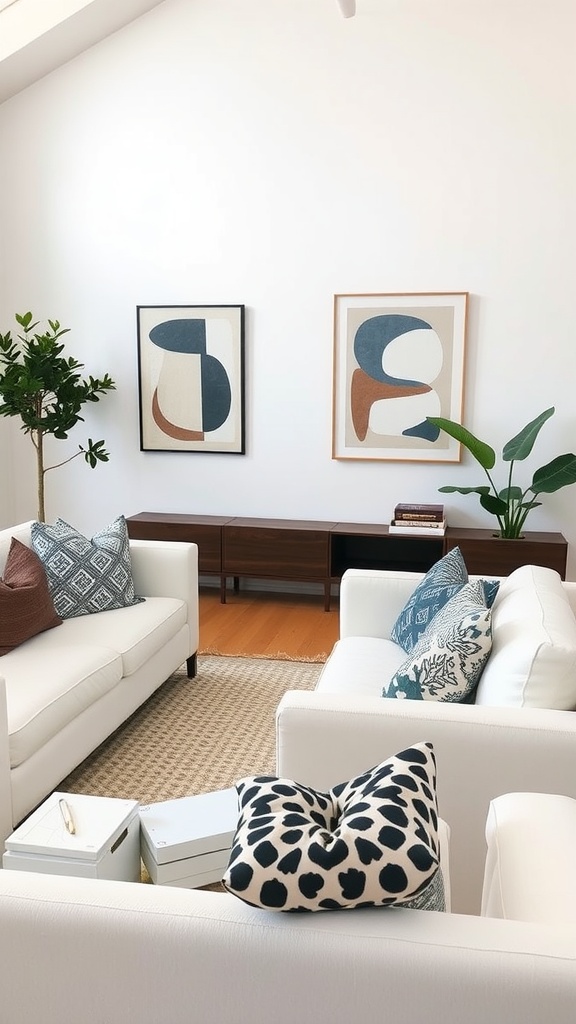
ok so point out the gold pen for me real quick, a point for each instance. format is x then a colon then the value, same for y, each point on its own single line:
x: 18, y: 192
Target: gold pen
x: 67, y: 816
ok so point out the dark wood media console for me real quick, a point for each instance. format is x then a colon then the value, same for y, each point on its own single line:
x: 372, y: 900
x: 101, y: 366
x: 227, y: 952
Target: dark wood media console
x: 320, y: 552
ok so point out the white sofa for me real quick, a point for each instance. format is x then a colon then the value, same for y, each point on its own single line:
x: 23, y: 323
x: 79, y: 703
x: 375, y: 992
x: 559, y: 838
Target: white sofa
x: 100, y: 952
x: 66, y: 690
x: 482, y: 749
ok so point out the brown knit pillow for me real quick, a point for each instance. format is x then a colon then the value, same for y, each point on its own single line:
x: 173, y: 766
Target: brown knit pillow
x: 26, y: 605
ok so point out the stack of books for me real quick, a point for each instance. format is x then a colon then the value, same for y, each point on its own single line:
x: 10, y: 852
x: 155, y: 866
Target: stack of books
x: 428, y: 520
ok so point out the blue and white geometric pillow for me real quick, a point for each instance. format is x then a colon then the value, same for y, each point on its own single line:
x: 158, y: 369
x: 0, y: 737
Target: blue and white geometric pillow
x: 86, y: 576
x: 448, y: 660
x: 440, y: 583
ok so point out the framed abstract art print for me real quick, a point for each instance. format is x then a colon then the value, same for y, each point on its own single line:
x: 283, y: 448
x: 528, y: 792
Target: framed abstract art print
x: 191, y: 378
x: 397, y: 359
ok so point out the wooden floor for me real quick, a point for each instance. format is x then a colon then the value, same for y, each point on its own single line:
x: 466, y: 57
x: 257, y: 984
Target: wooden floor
x: 266, y: 625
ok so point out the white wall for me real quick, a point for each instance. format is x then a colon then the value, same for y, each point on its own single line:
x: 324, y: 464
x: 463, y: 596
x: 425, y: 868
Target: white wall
x: 272, y: 153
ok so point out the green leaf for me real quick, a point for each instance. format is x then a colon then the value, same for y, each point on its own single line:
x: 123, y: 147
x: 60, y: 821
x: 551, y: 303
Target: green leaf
x: 449, y: 489
x: 556, y: 474
x: 494, y: 505
x: 519, y: 447
x: 511, y: 494
x: 482, y: 452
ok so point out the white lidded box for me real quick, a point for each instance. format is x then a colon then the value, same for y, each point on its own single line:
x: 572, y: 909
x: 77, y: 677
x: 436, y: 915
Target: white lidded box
x: 105, y: 842
x: 187, y: 842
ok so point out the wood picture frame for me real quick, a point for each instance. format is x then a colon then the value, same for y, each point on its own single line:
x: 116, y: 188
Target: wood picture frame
x: 398, y: 358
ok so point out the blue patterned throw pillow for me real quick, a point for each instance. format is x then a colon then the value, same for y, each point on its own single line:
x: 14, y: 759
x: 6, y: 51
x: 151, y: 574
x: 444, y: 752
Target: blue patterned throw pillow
x: 491, y: 588
x: 440, y: 583
x: 86, y: 576
x: 369, y: 842
x: 448, y: 660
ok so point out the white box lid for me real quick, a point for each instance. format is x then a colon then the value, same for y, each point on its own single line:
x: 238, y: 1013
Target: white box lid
x: 191, y: 825
x: 99, y: 821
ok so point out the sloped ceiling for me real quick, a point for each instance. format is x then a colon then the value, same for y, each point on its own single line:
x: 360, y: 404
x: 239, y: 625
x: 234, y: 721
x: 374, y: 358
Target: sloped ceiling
x: 38, y: 36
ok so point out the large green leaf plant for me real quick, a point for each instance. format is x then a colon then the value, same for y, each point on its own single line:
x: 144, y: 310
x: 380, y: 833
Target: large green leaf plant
x: 45, y: 389
x: 511, y: 505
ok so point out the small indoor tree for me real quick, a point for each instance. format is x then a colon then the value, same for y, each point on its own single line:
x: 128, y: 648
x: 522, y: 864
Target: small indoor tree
x: 45, y: 389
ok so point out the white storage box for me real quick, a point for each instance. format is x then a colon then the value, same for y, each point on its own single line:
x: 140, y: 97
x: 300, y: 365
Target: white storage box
x: 105, y: 844
x: 187, y: 842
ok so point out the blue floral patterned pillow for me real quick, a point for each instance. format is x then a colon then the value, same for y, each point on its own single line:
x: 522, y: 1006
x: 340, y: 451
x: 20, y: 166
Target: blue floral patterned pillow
x: 448, y: 660
x: 491, y: 588
x: 440, y: 583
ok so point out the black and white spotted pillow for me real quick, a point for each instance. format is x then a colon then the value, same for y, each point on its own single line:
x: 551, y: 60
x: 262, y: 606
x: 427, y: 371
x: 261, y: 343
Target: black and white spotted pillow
x: 372, y: 841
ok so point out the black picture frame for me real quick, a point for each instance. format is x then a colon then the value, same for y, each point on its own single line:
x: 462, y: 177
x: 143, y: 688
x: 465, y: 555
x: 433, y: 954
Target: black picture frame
x: 191, y: 366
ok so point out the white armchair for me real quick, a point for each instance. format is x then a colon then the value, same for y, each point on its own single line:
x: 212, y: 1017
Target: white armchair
x: 482, y: 751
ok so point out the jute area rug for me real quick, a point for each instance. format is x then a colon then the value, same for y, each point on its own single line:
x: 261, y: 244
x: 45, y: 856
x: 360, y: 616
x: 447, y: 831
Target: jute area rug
x: 195, y: 735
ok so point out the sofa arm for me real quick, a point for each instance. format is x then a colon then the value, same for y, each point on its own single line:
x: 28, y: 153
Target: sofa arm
x: 481, y: 752
x: 210, y: 958
x: 529, y: 876
x: 163, y: 568
x: 6, y: 822
x: 372, y: 599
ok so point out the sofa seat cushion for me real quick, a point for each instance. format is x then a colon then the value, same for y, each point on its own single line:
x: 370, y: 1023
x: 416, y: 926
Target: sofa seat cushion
x: 533, y: 658
x: 135, y: 633
x: 360, y: 665
x: 44, y: 692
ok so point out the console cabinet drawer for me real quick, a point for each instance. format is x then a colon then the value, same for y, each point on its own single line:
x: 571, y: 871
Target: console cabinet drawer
x: 485, y: 554
x: 276, y: 552
x: 205, y: 531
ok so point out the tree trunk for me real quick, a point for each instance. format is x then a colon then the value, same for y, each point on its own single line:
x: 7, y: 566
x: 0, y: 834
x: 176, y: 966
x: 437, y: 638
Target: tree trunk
x: 40, y: 473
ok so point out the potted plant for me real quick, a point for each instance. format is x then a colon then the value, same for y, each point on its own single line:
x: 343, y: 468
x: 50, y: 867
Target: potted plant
x: 512, y: 504
x: 45, y: 389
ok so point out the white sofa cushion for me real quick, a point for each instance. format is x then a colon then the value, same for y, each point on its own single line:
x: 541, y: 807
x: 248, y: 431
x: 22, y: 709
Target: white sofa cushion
x: 533, y: 659
x: 135, y: 633
x: 44, y: 693
x: 529, y: 874
x: 360, y: 665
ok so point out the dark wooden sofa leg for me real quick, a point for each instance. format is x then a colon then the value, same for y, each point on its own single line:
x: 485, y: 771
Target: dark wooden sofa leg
x: 192, y: 665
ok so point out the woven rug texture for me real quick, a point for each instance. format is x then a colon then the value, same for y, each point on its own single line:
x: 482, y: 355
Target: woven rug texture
x: 195, y: 735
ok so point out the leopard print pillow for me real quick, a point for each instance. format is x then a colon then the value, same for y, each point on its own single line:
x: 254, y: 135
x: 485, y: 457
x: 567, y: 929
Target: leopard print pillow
x: 369, y: 842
